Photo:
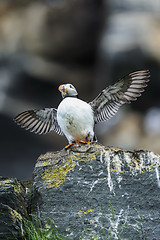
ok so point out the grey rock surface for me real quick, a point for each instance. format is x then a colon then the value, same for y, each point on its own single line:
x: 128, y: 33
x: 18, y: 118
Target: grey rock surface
x: 12, y: 208
x: 93, y: 191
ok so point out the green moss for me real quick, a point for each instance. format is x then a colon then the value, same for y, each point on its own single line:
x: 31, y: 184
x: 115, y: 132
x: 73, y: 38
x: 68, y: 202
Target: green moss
x: 28, y: 183
x: 115, y: 170
x: 151, y: 167
x: 16, y: 185
x: 4, y: 182
x: 85, y: 156
x: 55, y: 176
x: 17, y: 188
x: 82, y: 212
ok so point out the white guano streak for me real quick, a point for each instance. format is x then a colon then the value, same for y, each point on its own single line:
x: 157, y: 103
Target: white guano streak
x: 157, y: 172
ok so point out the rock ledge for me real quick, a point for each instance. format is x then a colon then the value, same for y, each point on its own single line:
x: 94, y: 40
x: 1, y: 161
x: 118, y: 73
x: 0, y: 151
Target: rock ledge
x: 74, y: 185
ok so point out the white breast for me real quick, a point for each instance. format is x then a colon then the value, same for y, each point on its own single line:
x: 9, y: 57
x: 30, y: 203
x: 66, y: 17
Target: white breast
x: 76, y: 119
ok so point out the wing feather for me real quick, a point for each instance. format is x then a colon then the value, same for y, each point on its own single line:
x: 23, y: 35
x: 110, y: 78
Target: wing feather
x: 127, y: 89
x: 39, y: 121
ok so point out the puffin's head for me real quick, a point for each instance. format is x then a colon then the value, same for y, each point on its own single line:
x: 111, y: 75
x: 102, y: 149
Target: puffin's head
x: 68, y: 90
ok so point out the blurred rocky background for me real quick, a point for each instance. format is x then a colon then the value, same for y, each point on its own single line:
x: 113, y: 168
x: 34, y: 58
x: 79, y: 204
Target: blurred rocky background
x: 89, y: 43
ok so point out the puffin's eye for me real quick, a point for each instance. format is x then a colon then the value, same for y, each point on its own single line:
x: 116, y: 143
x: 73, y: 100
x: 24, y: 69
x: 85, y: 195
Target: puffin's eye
x: 71, y: 86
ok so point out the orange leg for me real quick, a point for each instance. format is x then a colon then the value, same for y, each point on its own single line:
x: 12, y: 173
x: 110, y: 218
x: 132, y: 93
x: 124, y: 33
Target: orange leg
x: 69, y: 145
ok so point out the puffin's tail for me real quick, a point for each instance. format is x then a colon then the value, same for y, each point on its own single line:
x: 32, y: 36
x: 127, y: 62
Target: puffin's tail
x: 95, y: 139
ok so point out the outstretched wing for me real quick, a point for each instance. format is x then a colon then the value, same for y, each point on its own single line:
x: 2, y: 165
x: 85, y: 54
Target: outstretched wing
x: 39, y: 121
x: 127, y: 89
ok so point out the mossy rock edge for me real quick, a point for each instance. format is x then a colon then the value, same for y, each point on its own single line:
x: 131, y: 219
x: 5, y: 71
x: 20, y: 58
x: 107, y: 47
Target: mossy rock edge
x: 75, y: 188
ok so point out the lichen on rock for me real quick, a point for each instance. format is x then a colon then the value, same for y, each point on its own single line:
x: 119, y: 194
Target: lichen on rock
x: 55, y: 176
x: 57, y: 165
x: 74, y: 185
x: 12, y: 208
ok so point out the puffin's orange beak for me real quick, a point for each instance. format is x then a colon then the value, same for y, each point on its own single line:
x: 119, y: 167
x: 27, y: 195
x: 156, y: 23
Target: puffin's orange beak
x: 60, y: 88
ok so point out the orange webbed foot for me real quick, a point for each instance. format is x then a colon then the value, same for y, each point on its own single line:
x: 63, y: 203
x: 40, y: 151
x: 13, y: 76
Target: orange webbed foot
x: 82, y: 142
x: 85, y: 142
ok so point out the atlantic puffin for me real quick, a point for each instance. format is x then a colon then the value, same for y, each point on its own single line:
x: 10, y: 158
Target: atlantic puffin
x: 76, y: 118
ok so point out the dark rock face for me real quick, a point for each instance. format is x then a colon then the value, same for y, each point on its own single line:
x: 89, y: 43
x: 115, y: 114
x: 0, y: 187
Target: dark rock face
x: 12, y: 207
x: 92, y: 191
